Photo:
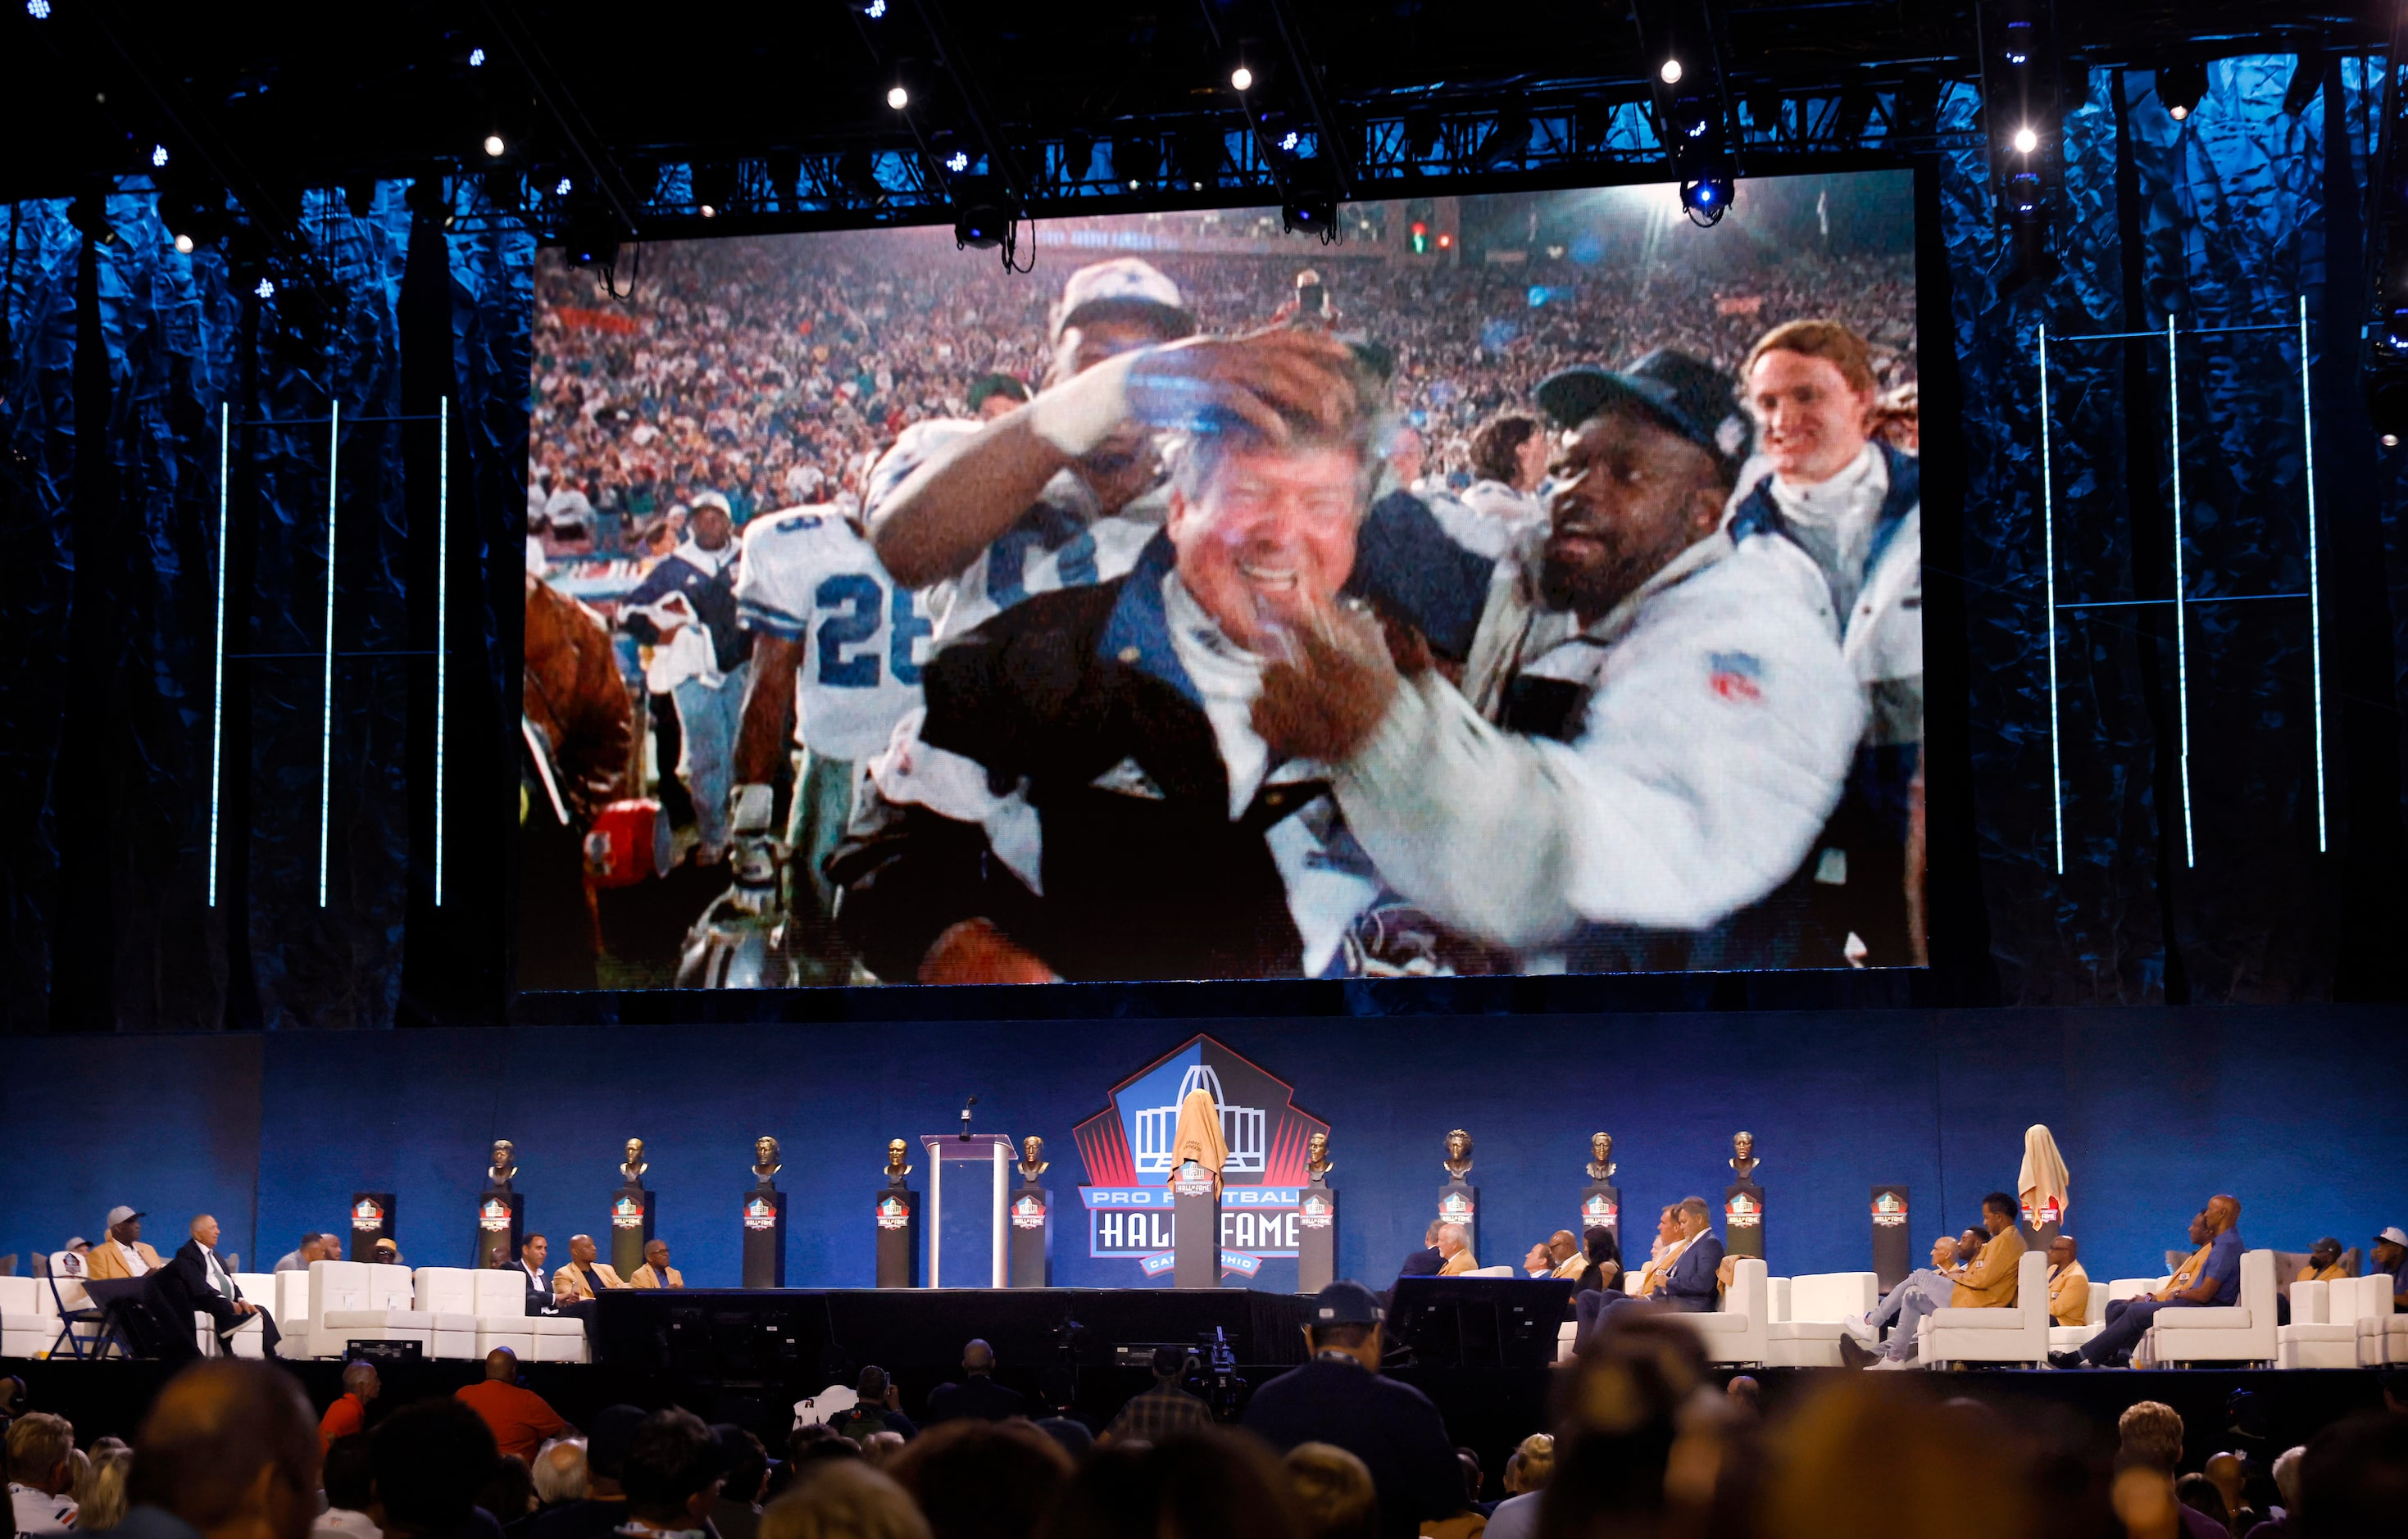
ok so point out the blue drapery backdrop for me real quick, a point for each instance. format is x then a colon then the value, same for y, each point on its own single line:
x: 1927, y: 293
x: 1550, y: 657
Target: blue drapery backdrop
x: 2248, y: 870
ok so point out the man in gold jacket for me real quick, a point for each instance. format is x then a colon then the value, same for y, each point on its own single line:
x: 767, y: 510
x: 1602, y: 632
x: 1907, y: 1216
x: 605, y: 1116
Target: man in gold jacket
x: 656, y: 1271
x: 122, y: 1254
x: 584, y: 1273
x: 1989, y: 1283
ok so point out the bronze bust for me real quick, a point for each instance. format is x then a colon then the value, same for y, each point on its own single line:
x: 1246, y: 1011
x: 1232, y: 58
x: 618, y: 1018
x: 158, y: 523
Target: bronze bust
x: 1459, y: 1154
x: 505, y: 1165
x: 765, y: 1158
x: 1317, y: 1164
x: 1600, y: 1157
x: 1743, y: 1161
x: 1032, y: 1159
x: 896, y: 1168
x: 633, y: 1168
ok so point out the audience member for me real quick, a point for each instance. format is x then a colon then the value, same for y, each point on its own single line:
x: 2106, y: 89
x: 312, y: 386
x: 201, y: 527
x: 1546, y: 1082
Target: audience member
x: 585, y: 1275
x: 604, y: 1506
x: 979, y: 1479
x: 508, y: 1495
x: 41, y: 1472
x: 1193, y: 1487
x: 559, y: 1473
x: 1333, y: 1493
x: 124, y: 1254
x: 2224, y: 1471
x: 430, y: 1459
x: 877, y: 1409
x: 2218, y: 1275
x: 197, y: 1281
x: 227, y: 1449
x: 1527, y: 1474
x: 1057, y: 1399
x: 1746, y: 1396
x: 656, y: 1271
x: 2069, y: 1285
x: 671, y: 1474
x: 350, y: 1479
x: 1425, y: 1261
x: 2391, y: 1260
x: 744, y: 1473
x: 1933, y: 1459
x: 1339, y: 1397
x: 2150, y: 1433
x: 1162, y: 1409
x: 2354, y: 1479
x: 844, y: 1500
x: 1616, y: 1415
x: 883, y: 1450
x: 2324, y: 1262
x: 2199, y: 1493
x: 519, y: 1418
x: 977, y: 1395
x: 314, y: 1247
x: 2284, y: 1521
x: 348, y: 1414
x: 100, y: 1491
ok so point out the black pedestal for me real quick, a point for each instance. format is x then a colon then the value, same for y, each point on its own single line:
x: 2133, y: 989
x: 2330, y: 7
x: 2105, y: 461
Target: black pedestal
x: 1316, y: 1238
x: 1602, y: 1208
x: 1744, y: 1219
x: 2041, y: 1226
x: 1031, y: 1237
x: 372, y: 1219
x: 1458, y: 1204
x: 631, y: 1228
x: 1893, y: 1250
x: 765, y: 1238
x: 899, y: 1237
x: 1195, y: 1233
x: 501, y: 1217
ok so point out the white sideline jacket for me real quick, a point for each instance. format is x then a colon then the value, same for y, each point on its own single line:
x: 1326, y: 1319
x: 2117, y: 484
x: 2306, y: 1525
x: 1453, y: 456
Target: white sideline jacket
x: 1715, y: 744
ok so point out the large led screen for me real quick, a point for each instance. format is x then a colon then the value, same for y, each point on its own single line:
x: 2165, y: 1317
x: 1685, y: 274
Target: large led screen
x: 1524, y: 583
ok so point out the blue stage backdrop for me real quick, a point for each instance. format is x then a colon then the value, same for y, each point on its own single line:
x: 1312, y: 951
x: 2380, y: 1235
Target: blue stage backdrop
x: 135, y: 898
x: 2296, y: 1112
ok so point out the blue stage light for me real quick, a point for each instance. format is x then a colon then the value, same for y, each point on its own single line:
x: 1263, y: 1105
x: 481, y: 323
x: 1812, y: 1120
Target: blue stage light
x: 1290, y: 141
x: 158, y: 154
x: 958, y: 163
x: 561, y: 189
x: 476, y: 58
x: 38, y: 9
x: 267, y: 289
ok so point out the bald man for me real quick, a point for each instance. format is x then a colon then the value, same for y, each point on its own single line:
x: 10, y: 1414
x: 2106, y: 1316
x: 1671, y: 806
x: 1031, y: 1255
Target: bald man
x: 978, y: 1397
x: 1565, y: 1247
x: 2216, y: 1281
x: 585, y: 1275
x: 349, y: 1411
x: 197, y: 1281
x: 521, y: 1420
x: 227, y: 1450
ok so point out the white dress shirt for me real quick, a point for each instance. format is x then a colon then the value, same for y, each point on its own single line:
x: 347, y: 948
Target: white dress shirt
x: 134, y: 1265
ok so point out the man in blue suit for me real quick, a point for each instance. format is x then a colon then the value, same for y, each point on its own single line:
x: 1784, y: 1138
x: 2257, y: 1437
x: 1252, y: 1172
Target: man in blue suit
x: 1687, y: 1282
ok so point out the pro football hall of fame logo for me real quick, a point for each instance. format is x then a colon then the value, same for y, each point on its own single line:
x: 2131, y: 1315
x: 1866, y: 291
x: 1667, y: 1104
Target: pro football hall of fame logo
x: 1125, y: 1149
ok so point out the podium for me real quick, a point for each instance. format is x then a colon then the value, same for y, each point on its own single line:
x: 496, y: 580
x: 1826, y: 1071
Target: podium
x: 1460, y: 1204
x: 975, y: 1173
x: 765, y: 1237
x: 899, y: 1237
x: 1893, y: 1252
x: 1316, y: 1237
x: 501, y: 1219
x: 631, y: 1227
x: 1032, y: 1236
x: 372, y: 1219
x: 1744, y: 1219
x: 1195, y: 1228
x: 1601, y: 1207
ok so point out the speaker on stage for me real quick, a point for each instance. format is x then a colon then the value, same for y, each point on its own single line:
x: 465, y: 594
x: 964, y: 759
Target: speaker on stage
x: 764, y: 1219
x: 897, y: 1208
x: 1600, y: 1203
x: 501, y: 1211
x: 1458, y: 1201
x: 1031, y: 1225
x: 1316, y: 1220
x: 1893, y: 1252
x: 372, y: 1219
x: 1743, y: 1202
x: 631, y: 1213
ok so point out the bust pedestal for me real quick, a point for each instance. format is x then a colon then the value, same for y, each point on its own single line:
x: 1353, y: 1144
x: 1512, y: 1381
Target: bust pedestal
x: 1195, y: 1228
x: 1316, y: 1237
x: 2041, y: 1225
x: 631, y: 1227
x: 1601, y: 1207
x: 1030, y: 1223
x: 1892, y: 1251
x: 898, y: 1236
x: 1459, y: 1203
x: 765, y: 1237
x: 501, y: 1219
x: 372, y: 1219
x: 1744, y: 1219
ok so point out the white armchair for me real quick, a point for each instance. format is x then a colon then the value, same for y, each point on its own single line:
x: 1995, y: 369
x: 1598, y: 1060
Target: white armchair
x: 2236, y: 1332
x: 1736, y: 1333
x: 2066, y: 1338
x: 2314, y: 1339
x: 293, y: 1313
x: 2016, y: 1333
x: 1805, y: 1329
x: 25, y: 1332
x: 2366, y: 1305
x: 448, y: 1296
x: 501, y: 1316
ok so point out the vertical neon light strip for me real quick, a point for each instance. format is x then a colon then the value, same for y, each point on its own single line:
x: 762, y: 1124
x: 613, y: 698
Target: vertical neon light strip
x: 2181, y: 642
x: 2315, y: 599
x: 326, y: 732
x: 442, y: 618
x: 217, y: 664
x: 2048, y: 559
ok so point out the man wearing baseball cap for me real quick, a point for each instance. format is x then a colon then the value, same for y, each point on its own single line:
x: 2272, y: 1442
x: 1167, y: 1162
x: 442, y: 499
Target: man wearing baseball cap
x: 1339, y: 1397
x: 1654, y: 723
x: 2390, y: 1259
x: 122, y: 1254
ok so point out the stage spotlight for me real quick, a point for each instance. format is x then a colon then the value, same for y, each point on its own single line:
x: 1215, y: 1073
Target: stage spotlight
x: 1078, y: 156
x: 2180, y: 86
x: 1136, y: 159
x: 267, y: 289
x: 1707, y: 196
x: 494, y: 146
x: 1241, y: 79
x: 38, y: 9
x: 158, y: 155
x: 184, y: 245
x: 429, y: 199
x: 1509, y: 141
x: 2307, y: 78
x: 476, y: 58
x: 1853, y: 115
x: 857, y: 170
x: 714, y: 188
x: 898, y: 98
x: 1670, y: 73
x: 503, y: 188
x: 590, y: 239
x: 1421, y: 133
x: 958, y: 162
x: 875, y: 10
x: 89, y: 214
x: 2025, y: 141
x: 562, y: 188
x: 982, y: 224
x: 1200, y: 153
x: 1289, y: 140
x: 1314, y: 215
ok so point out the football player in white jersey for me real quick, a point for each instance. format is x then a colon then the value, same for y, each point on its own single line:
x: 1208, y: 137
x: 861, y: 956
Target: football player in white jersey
x: 1054, y: 495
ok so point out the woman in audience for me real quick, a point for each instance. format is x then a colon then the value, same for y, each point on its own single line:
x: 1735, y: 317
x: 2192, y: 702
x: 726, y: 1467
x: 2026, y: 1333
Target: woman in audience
x: 1527, y: 1474
x: 100, y: 1493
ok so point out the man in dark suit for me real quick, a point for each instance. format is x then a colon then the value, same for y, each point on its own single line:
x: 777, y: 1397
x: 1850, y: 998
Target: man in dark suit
x: 1688, y: 1283
x: 1425, y: 1261
x: 196, y: 1281
x: 978, y: 1397
x: 532, y: 1251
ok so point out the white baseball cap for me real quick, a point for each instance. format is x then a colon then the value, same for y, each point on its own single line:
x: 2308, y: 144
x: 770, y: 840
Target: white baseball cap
x: 2393, y: 1235
x: 1125, y: 288
x: 118, y: 1213
x: 708, y: 499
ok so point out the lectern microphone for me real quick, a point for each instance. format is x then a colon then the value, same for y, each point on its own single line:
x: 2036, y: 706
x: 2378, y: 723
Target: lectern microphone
x: 966, y: 1118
